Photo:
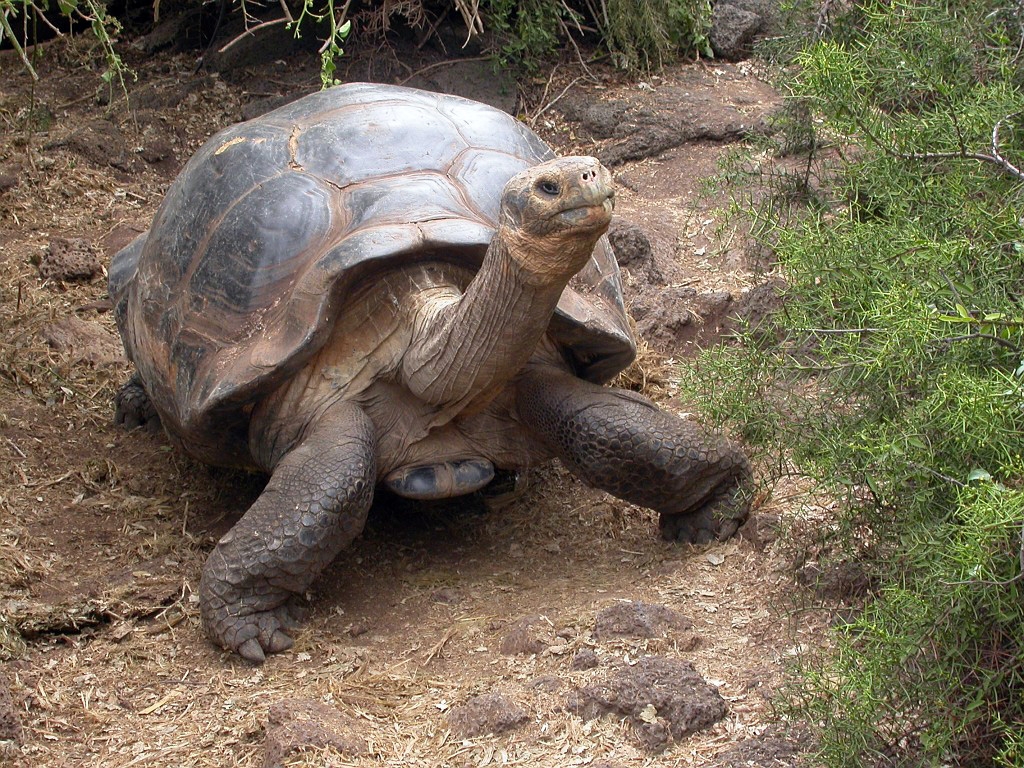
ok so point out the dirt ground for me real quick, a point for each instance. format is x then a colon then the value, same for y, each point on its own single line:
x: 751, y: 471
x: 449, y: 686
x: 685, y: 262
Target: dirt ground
x: 442, y: 624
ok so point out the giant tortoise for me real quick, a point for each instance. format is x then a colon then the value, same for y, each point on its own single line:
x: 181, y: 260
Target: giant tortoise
x: 379, y: 286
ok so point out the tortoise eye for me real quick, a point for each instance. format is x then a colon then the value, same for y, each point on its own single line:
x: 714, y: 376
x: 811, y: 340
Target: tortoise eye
x: 548, y: 187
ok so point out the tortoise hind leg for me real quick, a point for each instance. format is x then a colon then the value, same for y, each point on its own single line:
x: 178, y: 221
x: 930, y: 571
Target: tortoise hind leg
x: 624, y: 444
x: 133, y: 408
x: 314, y: 505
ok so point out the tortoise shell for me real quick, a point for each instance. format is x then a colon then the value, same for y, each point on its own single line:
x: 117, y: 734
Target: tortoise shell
x: 272, y: 222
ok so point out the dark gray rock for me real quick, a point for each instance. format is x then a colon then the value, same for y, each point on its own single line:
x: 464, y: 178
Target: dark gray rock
x: 666, y: 318
x: 10, y: 722
x: 648, y: 123
x: 585, y: 658
x: 526, y: 636
x: 664, y: 699
x: 82, y: 341
x: 777, y: 747
x: 733, y: 30
x: 760, y: 530
x: 633, y: 250
x: 475, y: 80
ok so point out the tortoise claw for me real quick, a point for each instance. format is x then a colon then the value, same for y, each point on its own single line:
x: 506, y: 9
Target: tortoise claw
x: 279, y: 641
x: 252, y: 651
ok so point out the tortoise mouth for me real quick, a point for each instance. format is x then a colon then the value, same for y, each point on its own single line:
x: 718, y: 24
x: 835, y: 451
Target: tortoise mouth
x: 588, y: 216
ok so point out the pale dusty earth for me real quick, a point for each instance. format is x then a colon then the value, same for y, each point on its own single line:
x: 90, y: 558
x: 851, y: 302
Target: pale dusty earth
x: 103, y: 531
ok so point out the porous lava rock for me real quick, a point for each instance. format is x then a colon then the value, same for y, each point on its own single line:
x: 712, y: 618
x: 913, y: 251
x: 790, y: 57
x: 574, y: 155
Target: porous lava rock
x: 488, y: 713
x: 81, y: 341
x: 10, y: 723
x: 526, y: 636
x: 664, y: 699
x: 634, y: 619
x: 69, y: 260
x: 299, y: 725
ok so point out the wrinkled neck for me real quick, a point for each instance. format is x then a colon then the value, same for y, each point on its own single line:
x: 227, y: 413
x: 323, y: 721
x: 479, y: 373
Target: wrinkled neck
x: 468, y: 348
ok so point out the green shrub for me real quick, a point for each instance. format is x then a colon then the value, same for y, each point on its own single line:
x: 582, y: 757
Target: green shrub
x: 898, y: 383
x: 639, y: 34
x: 647, y: 34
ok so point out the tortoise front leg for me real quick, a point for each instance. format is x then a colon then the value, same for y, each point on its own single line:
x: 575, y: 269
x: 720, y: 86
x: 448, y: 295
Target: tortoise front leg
x: 624, y: 444
x: 314, y: 505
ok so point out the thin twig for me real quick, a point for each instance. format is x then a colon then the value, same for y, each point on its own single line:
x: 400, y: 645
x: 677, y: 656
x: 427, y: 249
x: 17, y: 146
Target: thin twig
x: 40, y: 16
x: 998, y: 155
x: 839, y: 330
x: 821, y: 23
x: 546, y: 107
x: 995, y: 158
x: 992, y: 337
x: 437, y: 64
x: 439, y: 646
x: 252, y: 31
x: 432, y: 29
x: 936, y: 473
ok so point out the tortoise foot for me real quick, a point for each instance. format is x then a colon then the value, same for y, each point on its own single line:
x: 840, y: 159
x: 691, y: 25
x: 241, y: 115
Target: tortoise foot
x: 623, y: 443
x: 252, y: 625
x: 314, y: 505
x: 133, y: 408
x: 698, y: 527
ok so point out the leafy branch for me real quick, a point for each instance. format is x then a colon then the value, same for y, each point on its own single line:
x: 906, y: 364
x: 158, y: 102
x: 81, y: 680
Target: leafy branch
x: 995, y: 156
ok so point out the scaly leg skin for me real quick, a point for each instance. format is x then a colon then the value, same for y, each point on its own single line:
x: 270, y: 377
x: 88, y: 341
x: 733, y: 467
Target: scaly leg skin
x: 133, y: 408
x: 621, y: 442
x: 314, y: 505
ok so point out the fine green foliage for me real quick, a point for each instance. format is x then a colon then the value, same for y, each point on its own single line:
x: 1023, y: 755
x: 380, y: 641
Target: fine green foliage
x: 647, y: 34
x: 527, y: 32
x: 638, y: 34
x: 897, y: 381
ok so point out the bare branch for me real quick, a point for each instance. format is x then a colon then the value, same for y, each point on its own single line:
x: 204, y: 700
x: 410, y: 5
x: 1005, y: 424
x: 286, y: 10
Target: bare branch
x: 438, y: 64
x: 1007, y: 165
x: 40, y: 16
x: 992, y: 337
x: 995, y: 158
x: 251, y: 31
x: 821, y: 23
x: 828, y: 331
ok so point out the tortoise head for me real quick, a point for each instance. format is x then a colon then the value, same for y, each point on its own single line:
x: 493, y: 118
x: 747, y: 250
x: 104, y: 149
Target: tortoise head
x: 552, y: 215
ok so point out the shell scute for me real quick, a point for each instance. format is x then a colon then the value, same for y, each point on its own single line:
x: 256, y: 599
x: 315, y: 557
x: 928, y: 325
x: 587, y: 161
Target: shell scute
x: 250, y: 257
x: 381, y: 139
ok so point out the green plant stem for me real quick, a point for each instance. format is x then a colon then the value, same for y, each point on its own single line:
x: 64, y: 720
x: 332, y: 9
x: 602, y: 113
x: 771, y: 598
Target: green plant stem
x: 5, y: 25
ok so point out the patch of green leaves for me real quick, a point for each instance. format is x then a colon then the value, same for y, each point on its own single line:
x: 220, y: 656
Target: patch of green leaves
x: 104, y: 27
x: 647, y: 34
x: 337, y: 31
x: 897, y: 379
